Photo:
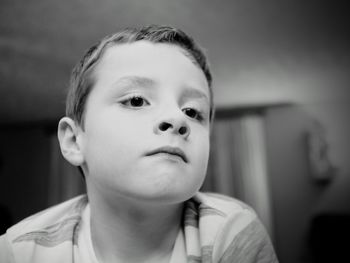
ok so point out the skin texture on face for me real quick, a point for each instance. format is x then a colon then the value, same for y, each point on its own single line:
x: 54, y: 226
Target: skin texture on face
x: 146, y: 96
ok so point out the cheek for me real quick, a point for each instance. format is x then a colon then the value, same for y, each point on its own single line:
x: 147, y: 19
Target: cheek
x: 201, y: 152
x: 114, y: 145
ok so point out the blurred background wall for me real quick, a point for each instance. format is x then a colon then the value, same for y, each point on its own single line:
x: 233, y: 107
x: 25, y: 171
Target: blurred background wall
x: 281, y: 75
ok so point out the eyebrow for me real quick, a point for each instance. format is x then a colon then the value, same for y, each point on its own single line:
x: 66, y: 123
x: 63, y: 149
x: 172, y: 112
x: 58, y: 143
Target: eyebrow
x: 191, y: 92
x: 135, y: 81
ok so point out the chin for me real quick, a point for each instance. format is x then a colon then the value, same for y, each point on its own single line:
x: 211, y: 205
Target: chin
x: 174, y: 195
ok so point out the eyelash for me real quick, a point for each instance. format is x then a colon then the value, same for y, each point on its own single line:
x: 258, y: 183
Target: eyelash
x: 198, y: 115
x: 127, y: 101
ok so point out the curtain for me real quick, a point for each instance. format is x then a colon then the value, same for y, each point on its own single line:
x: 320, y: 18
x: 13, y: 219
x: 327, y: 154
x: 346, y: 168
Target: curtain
x: 237, y: 164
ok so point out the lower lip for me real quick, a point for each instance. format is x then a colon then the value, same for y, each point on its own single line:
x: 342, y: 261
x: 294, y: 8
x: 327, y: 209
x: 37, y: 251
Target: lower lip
x: 169, y: 156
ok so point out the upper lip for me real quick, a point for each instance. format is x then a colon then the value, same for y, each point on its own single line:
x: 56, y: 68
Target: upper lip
x: 170, y: 150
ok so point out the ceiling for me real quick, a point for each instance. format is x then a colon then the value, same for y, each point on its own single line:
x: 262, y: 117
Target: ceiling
x: 251, y: 45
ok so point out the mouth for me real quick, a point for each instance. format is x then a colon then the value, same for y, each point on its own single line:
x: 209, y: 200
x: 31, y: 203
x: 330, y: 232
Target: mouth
x: 175, y: 151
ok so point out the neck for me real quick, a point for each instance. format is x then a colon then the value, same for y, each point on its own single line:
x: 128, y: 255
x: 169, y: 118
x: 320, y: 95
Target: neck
x: 130, y: 232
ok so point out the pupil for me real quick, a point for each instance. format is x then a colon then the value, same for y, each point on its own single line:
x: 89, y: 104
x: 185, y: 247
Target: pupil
x: 191, y: 113
x: 137, y: 102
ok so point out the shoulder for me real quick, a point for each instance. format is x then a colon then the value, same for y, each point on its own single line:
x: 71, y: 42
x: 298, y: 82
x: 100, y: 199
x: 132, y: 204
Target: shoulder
x: 48, y: 228
x: 5, y: 251
x: 232, y: 229
x: 219, y: 213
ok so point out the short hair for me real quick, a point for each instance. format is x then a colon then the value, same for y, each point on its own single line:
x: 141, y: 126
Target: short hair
x: 81, y: 81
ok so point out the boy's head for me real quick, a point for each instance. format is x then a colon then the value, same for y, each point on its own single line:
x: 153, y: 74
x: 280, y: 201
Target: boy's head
x: 138, y: 116
x: 82, y: 80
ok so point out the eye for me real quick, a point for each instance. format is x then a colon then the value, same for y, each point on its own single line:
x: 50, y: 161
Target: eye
x: 135, y: 102
x: 192, y: 113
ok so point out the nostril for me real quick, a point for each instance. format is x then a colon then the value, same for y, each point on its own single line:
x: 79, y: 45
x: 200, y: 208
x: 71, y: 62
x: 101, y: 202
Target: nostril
x: 183, y: 130
x: 164, y: 126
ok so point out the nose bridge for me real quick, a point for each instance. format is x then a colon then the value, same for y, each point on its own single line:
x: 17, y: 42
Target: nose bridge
x: 171, y: 112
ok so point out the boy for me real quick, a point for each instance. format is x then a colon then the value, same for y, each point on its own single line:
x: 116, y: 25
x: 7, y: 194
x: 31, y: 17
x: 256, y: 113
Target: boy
x: 139, y: 111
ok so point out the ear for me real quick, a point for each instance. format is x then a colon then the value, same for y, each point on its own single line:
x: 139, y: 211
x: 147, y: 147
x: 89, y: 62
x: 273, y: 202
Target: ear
x: 69, y: 137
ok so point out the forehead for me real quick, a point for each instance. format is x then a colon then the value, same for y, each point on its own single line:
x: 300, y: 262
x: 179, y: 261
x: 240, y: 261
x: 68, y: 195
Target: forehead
x: 154, y: 60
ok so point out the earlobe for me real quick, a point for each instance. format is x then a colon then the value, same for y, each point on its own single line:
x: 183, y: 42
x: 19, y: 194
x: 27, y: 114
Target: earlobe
x: 69, y: 138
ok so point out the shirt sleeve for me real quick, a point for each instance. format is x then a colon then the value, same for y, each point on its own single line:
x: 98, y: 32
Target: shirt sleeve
x: 6, y: 255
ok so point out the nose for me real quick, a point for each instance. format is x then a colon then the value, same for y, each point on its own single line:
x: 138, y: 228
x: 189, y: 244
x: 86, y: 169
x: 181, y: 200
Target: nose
x: 177, y: 126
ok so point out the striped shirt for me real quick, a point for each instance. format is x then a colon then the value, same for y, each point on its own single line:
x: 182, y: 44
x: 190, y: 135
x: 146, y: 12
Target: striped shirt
x: 216, y: 228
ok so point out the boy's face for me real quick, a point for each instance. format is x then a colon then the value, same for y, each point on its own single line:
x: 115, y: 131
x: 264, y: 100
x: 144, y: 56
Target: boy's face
x: 146, y: 132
